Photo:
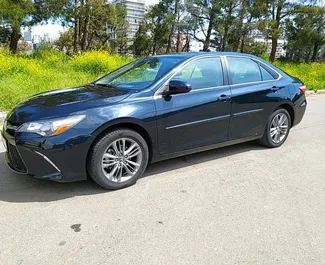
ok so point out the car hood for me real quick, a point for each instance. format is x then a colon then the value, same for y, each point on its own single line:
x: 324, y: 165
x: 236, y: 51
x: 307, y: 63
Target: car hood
x: 62, y: 102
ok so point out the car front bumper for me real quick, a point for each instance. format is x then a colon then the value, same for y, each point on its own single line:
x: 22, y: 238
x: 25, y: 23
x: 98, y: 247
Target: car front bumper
x: 61, y: 158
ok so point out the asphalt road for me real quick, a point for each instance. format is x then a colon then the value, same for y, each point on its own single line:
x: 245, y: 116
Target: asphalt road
x: 243, y: 204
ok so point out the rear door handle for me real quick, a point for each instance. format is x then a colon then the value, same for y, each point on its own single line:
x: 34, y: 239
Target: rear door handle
x: 275, y: 88
x: 224, y: 98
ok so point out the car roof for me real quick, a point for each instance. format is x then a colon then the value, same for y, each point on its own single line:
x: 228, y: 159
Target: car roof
x: 187, y: 55
x: 197, y: 54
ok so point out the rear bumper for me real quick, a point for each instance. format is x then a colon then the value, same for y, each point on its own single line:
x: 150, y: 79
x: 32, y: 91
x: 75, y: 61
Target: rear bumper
x: 46, y: 158
x: 299, y: 109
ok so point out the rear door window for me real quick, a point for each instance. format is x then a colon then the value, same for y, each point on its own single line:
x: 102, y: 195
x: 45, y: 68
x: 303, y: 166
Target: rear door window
x: 266, y: 76
x: 243, y: 70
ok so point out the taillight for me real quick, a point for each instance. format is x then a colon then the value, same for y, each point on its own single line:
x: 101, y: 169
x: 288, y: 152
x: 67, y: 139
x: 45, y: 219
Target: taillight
x: 303, y: 88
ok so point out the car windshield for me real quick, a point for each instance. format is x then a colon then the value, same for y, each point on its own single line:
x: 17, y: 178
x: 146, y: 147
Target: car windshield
x: 140, y: 74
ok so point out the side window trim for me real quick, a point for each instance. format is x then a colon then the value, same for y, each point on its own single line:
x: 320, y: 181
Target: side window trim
x: 259, y: 67
x: 226, y: 71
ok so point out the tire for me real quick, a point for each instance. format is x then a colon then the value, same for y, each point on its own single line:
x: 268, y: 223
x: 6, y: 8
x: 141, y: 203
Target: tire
x: 273, y: 141
x: 111, y: 169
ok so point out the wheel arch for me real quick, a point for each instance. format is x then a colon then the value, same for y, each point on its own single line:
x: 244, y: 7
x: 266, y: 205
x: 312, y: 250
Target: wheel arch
x: 290, y: 109
x: 131, y: 124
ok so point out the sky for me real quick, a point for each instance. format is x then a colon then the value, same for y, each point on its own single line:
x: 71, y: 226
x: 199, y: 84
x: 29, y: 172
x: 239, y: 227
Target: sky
x: 54, y: 29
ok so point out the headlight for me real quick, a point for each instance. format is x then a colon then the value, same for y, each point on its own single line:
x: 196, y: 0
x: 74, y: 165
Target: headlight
x: 51, y: 127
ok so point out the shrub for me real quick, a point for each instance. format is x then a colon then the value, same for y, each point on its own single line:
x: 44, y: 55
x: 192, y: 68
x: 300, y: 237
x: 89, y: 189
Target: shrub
x: 311, y: 74
x: 97, y: 62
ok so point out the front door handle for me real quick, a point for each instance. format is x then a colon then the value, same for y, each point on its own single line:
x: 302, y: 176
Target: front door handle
x: 224, y: 98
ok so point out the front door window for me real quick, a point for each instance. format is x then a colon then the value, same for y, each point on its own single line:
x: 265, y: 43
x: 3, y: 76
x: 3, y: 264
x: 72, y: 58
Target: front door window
x: 202, y: 73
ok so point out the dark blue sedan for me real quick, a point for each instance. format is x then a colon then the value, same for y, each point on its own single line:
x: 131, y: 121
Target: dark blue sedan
x: 149, y: 110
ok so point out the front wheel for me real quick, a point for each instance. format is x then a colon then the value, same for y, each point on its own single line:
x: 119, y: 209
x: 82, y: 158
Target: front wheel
x: 118, y: 159
x: 277, y: 129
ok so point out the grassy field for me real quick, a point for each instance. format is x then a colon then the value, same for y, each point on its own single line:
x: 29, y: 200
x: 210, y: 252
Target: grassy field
x: 22, y: 76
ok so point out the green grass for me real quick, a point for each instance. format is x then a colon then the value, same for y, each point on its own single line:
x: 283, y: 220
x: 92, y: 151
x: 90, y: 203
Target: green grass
x: 22, y: 76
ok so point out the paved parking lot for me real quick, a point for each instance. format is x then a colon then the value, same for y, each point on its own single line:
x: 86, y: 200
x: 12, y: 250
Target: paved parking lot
x: 237, y: 205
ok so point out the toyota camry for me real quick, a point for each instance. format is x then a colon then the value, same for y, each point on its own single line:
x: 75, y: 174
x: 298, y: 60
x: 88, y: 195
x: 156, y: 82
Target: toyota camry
x: 149, y: 110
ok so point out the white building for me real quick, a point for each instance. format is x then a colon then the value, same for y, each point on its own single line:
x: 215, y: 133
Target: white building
x: 28, y: 35
x: 46, y: 37
x: 36, y: 39
x: 280, y: 49
x: 195, y: 46
x: 135, y: 11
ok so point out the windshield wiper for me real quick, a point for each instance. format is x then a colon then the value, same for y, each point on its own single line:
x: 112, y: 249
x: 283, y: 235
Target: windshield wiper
x: 104, y: 85
x: 99, y: 84
x: 112, y: 85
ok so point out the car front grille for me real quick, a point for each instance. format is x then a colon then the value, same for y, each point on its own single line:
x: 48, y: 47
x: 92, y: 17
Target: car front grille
x: 15, y: 159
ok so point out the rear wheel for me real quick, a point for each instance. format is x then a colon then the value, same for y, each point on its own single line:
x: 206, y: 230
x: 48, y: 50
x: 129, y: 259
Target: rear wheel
x: 118, y: 159
x: 277, y: 129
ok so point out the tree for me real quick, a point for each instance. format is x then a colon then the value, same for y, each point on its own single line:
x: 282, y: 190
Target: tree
x: 183, y: 25
x: 204, y: 17
x: 254, y: 47
x: 252, y: 15
x: 278, y: 10
x: 305, y: 33
x: 179, y: 22
x: 235, y: 23
x: 119, y: 28
x: 142, y: 42
x: 25, y: 13
x: 158, y: 27
x: 227, y: 24
x: 65, y: 41
x: 172, y: 11
x: 5, y: 33
x: 15, y: 14
x: 95, y: 23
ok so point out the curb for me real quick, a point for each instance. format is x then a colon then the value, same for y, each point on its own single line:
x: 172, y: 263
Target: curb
x: 312, y: 92
x: 2, y: 116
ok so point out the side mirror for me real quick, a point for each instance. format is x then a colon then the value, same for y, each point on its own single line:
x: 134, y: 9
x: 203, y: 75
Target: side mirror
x: 177, y: 87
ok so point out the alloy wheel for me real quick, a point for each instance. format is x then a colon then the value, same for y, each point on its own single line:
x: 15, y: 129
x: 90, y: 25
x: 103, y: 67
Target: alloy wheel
x: 121, y: 160
x: 279, y: 128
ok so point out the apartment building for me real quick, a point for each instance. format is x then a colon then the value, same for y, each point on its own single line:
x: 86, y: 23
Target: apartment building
x: 135, y: 13
x: 280, y: 49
